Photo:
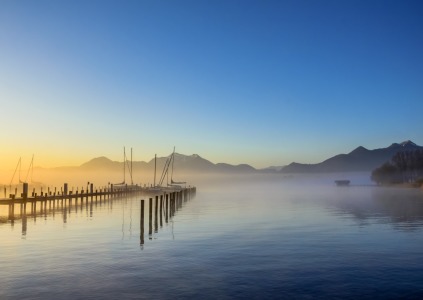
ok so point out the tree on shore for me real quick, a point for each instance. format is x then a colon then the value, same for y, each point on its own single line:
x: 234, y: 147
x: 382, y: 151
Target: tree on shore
x: 405, y: 166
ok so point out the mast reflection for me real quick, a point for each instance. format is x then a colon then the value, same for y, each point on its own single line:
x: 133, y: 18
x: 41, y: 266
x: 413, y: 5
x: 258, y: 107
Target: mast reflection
x: 165, y: 207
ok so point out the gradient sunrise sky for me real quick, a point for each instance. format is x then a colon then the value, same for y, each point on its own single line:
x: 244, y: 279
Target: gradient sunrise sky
x: 257, y: 82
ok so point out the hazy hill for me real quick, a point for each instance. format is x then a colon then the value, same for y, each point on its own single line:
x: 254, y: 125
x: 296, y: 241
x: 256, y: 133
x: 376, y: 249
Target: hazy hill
x: 360, y: 159
x: 101, y: 163
x: 182, y: 164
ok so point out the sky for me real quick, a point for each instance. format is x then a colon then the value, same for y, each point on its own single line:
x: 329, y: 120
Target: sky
x: 258, y: 82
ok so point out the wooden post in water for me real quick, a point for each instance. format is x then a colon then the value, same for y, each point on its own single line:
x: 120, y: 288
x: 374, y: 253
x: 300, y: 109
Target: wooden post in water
x: 161, y: 210
x: 179, y: 199
x: 173, y: 203
x: 25, y: 191
x: 167, y: 207
x: 142, y: 223
x: 170, y: 205
x: 176, y: 201
x: 12, y: 211
x: 156, y: 213
x: 150, y: 218
x: 35, y: 210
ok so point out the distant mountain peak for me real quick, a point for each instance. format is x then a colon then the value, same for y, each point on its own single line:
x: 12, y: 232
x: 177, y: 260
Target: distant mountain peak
x: 404, y: 144
x: 100, y: 159
x: 360, y: 159
x: 408, y: 143
x: 359, y: 149
x: 97, y: 162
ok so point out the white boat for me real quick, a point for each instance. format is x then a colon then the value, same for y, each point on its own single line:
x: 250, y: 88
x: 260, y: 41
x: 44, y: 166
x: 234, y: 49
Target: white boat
x: 126, y: 164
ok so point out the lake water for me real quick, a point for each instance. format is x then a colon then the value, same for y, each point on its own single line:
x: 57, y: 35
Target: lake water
x: 255, y: 237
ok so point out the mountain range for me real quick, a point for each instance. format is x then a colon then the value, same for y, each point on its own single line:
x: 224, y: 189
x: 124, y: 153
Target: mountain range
x: 360, y: 159
x: 182, y: 163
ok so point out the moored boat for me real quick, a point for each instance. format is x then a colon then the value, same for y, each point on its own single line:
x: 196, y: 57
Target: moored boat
x: 342, y: 182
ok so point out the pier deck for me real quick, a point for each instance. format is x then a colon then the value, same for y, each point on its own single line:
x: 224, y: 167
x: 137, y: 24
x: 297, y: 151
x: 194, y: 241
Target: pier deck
x: 97, y: 194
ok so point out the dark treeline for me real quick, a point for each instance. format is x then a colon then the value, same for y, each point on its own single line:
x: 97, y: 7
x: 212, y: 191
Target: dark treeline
x: 404, y: 167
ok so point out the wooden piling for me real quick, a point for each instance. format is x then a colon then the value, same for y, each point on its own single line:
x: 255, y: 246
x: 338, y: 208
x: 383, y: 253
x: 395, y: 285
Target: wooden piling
x: 25, y: 191
x: 156, y: 212
x: 150, y: 218
x: 142, y: 223
x: 161, y: 210
x: 167, y: 207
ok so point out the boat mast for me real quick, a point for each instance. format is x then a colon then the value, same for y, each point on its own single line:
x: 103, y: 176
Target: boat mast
x: 173, y: 161
x: 14, y: 173
x: 155, y: 166
x: 124, y: 162
x: 131, y: 168
x: 20, y: 167
x: 30, y: 168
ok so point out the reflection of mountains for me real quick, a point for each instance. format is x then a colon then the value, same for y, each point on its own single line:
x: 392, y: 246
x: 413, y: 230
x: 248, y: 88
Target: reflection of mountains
x: 403, y: 208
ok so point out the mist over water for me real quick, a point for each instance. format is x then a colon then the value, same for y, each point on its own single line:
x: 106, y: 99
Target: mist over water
x: 242, y: 236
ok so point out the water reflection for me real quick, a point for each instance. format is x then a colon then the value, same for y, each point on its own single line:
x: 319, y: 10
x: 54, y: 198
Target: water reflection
x: 45, y: 209
x: 48, y: 209
x: 401, y: 207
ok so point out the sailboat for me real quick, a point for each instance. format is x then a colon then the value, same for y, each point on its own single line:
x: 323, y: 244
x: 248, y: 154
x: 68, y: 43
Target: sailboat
x: 31, y: 168
x: 126, y: 165
x: 155, y: 188
x: 175, y: 184
x: 14, y: 173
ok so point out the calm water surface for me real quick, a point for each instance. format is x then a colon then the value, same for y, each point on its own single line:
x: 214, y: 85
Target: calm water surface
x: 258, y: 237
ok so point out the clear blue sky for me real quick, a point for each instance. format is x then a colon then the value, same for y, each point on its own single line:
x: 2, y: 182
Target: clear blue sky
x: 258, y: 82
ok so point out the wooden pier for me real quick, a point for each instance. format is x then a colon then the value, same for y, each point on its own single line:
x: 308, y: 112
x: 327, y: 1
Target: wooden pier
x: 91, y: 193
x: 162, y: 204
x: 173, y: 198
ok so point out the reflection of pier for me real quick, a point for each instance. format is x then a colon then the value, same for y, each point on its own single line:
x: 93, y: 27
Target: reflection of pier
x: 170, y: 203
x: 66, y: 201
x: 37, y: 204
x: 167, y: 202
